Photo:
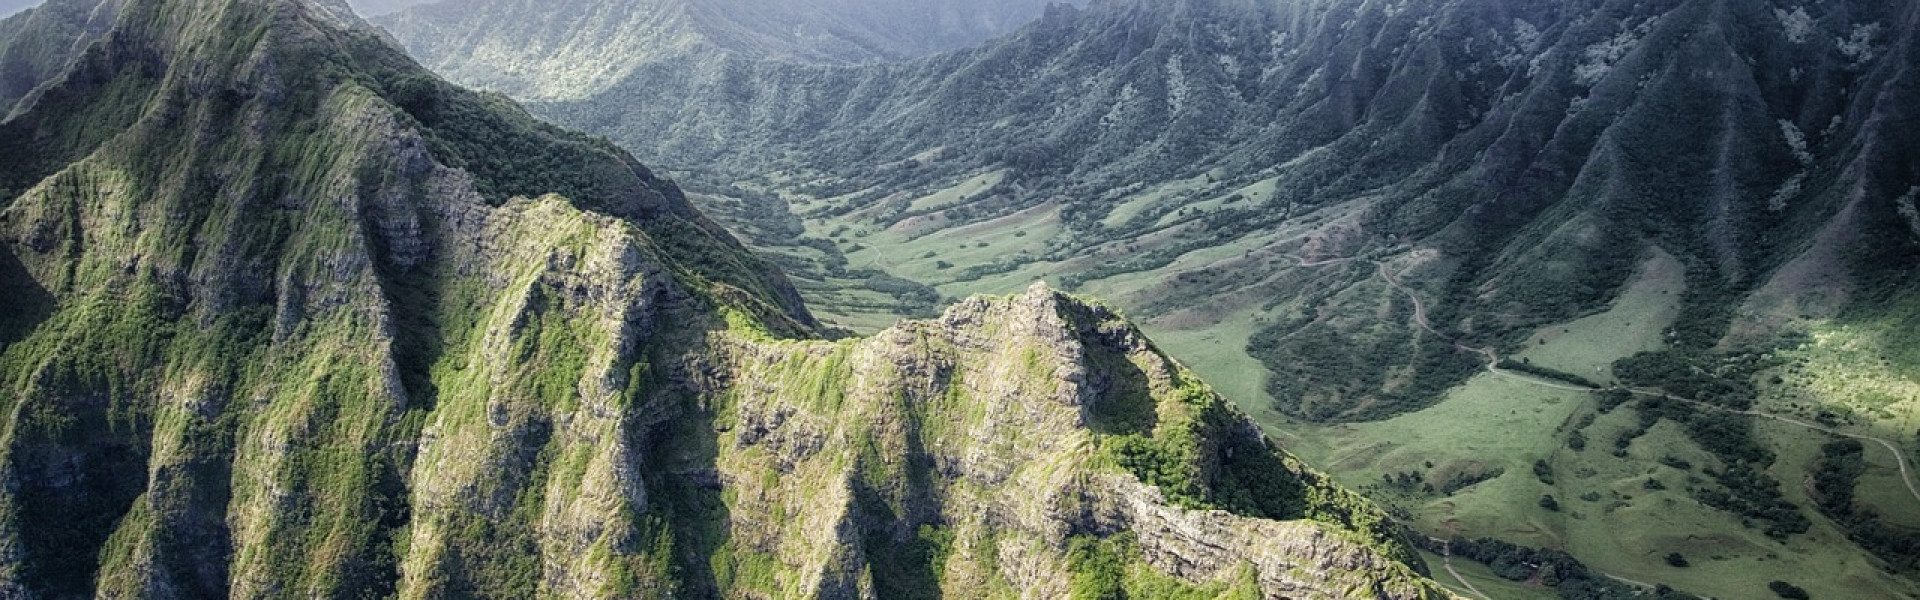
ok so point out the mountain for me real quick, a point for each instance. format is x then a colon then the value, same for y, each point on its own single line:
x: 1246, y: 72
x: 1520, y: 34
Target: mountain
x: 1539, y: 154
x: 9, y: 7
x: 543, y: 49
x: 382, y: 7
x: 36, y: 46
x: 287, y: 315
x: 1407, y: 233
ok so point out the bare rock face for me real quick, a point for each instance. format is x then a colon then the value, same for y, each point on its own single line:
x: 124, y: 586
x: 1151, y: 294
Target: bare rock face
x: 286, y: 316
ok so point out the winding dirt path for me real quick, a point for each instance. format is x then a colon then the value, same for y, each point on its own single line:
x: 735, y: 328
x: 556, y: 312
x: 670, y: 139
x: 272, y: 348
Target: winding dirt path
x: 1446, y: 561
x: 1900, y: 458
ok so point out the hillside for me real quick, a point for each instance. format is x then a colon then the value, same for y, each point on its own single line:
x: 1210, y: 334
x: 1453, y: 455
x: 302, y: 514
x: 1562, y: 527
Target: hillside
x: 1348, y: 214
x: 1122, y: 143
x: 37, y: 46
x: 286, y: 315
x: 577, y: 48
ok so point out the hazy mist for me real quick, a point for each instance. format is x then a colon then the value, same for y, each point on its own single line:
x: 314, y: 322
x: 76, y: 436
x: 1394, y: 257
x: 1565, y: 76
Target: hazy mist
x: 364, y: 7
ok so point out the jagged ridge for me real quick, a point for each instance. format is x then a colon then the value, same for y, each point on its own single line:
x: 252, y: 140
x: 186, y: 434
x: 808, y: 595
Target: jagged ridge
x: 288, y: 316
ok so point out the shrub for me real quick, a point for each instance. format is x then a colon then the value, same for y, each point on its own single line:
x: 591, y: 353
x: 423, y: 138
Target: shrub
x: 1788, y: 590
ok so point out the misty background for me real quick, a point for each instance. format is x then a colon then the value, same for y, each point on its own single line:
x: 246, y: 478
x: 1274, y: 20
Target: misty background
x: 364, y: 7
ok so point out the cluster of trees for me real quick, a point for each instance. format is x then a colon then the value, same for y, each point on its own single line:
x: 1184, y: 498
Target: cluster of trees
x: 1745, y: 488
x: 1466, y: 479
x: 1835, y: 476
x: 1788, y: 590
x: 1688, y: 375
x: 1749, y: 492
x: 1407, y: 481
x: 1527, y: 366
x: 1552, y: 568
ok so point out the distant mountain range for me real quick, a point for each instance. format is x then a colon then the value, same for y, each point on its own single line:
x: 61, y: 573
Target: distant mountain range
x: 381, y: 7
x: 573, y: 48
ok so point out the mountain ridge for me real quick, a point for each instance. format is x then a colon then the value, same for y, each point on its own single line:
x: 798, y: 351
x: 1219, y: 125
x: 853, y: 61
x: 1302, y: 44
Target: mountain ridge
x: 1323, y: 206
x: 288, y: 315
x: 577, y: 49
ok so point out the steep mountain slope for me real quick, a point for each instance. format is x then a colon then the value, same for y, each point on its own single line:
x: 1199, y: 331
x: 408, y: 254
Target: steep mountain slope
x: 1365, y: 204
x: 541, y: 49
x: 36, y: 46
x: 285, y: 315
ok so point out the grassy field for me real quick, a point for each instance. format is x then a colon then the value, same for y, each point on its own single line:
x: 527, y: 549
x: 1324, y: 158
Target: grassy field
x: 1609, y: 516
x: 1139, y: 202
x: 1588, y: 346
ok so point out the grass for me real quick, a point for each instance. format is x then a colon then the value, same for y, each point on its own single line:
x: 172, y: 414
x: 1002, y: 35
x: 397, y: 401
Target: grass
x: 958, y: 194
x: 989, y: 242
x: 1136, y: 204
x: 1632, y: 324
x: 1626, y: 532
x: 1609, y: 517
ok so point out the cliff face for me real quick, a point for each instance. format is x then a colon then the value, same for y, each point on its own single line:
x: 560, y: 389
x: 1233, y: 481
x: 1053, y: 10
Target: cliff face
x: 287, y: 316
x: 993, y: 452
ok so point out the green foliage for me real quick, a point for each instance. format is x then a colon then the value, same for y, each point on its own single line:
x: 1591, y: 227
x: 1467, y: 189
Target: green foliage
x: 1465, y: 479
x: 1099, y: 570
x: 1788, y: 590
x: 1112, y: 568
x: 1567, y: 576
x: 1746, y: 489
x: 1614, y: 398
x: 1126, y: 405
x: 1171, y: 465
x: 1523, y: 366
x: 1835, y: 476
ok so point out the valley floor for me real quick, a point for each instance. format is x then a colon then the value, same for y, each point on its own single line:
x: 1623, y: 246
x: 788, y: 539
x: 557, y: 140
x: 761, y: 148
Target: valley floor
x: 1487, y: 434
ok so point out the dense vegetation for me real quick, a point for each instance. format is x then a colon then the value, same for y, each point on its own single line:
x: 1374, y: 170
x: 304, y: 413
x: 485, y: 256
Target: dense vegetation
x: 1554, y: 569
x: 1834, y: 478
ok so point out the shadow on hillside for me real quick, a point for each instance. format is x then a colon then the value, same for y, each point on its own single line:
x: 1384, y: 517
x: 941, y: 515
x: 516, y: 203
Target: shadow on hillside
x: 24, y: 304
x: 688, y: 494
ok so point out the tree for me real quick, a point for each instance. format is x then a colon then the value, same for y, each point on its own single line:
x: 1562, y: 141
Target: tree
x: 1788, y: 591
x: 1677, y: 559
x: 1547, y: 502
